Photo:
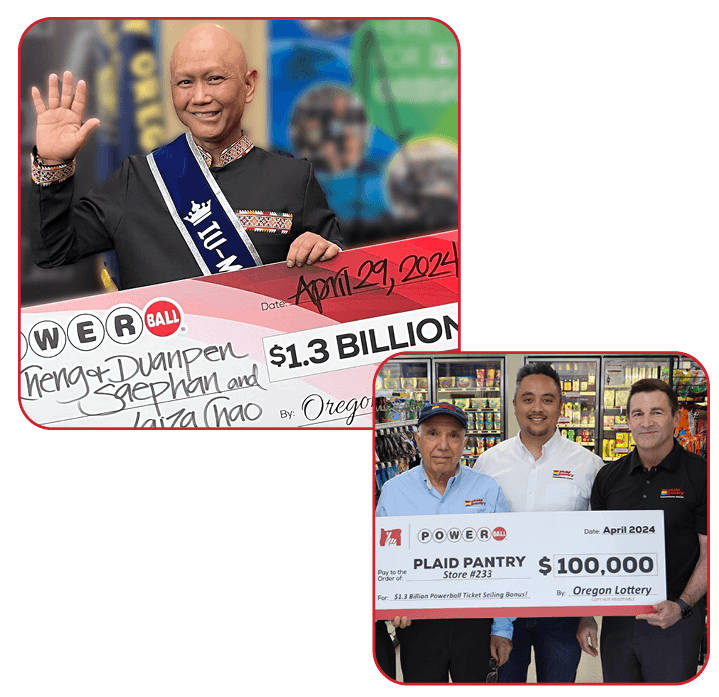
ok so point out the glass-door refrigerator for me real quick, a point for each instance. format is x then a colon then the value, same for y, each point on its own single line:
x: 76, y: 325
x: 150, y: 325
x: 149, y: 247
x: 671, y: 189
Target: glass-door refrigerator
x: 618, y: 375
x: 579, y: 417
x: 402, y: 388
x: 476, y: 384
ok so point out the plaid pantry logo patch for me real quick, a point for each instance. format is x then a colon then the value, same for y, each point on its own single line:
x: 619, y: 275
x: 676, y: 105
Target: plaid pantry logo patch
x: 671, y: 494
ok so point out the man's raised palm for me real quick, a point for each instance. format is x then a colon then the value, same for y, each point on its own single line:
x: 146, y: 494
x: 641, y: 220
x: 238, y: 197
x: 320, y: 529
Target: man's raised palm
x: 60, y: 130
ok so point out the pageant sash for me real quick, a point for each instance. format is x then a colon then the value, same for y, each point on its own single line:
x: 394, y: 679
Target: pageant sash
x: 200, y: 210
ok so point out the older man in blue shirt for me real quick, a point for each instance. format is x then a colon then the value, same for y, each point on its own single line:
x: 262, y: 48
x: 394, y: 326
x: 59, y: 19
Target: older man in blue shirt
x: 434, y: 650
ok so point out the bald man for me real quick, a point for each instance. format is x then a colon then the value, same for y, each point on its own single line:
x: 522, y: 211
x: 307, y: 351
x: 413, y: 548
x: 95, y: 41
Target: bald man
x: 209, y: 202
x: 211, y: 106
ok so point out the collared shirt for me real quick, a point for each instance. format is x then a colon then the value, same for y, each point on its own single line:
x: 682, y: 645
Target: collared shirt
x: 233, y: 152
x: 276, y: 199
x: 677, y: 486
x: 411, y: 493
x: 560, y: 480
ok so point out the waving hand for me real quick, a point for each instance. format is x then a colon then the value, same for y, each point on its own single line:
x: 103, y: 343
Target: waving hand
x: 60, y: 130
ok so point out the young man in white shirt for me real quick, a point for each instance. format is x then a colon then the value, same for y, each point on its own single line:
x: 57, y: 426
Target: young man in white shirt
x: 540, y: 470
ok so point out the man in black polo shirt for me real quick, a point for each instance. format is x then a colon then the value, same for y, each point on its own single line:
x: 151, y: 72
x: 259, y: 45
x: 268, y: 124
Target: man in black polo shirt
x: 659, y: 474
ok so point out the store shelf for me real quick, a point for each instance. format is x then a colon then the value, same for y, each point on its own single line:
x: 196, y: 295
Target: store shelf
x: 394, y: 424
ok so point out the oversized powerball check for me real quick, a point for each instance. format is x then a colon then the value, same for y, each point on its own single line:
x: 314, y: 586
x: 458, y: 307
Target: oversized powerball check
x: 578, y: 563
x: 262, y: 347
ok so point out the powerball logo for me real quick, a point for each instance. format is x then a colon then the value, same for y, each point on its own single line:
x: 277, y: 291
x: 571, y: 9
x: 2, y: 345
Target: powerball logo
x: 87, y: 330
x: 389, y: 538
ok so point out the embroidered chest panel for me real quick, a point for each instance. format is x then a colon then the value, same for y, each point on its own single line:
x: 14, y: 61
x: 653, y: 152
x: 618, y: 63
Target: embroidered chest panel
x: 265, y: 221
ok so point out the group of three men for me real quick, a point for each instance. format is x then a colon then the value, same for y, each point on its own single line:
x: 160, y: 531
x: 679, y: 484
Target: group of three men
x: 517, y: 475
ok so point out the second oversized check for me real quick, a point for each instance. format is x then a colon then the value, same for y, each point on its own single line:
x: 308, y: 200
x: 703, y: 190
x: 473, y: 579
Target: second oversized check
x: 577, y: 563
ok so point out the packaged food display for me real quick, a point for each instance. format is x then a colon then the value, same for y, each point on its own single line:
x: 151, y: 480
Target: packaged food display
x: 399, y: 391
x: 476, y: 385
x: 618, y: 375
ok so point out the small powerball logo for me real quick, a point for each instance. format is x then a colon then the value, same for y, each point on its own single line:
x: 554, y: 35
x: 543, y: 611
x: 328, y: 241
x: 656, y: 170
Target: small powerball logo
x: 163, y: 317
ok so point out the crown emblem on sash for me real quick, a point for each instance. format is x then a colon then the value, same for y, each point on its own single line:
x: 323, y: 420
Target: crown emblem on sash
x: 198, y: 212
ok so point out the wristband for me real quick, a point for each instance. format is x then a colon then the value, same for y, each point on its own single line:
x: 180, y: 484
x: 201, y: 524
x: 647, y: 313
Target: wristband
x: 43, y: 174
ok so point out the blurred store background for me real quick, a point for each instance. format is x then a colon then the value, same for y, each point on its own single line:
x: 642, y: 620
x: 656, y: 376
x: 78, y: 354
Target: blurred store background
x: 372, y: 103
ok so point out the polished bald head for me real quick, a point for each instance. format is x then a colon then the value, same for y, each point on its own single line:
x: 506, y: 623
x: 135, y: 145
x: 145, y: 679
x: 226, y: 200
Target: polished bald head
x: 205, y: 40
x: 211, y: 85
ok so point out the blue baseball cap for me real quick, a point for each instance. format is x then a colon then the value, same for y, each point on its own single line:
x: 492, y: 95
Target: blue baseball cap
x: 443, y: 408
